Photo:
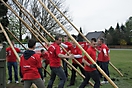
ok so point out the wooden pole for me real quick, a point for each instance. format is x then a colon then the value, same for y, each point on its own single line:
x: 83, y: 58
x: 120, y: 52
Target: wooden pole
x: 17, y: 3
x: 116, y: 69
x: 81, y: 33
x: 101, y: 71
x: 9, y: 41
x: 16, y: 38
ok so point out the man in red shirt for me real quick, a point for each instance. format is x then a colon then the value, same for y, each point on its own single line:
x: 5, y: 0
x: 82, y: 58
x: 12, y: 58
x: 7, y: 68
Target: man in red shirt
x: 90, y: 69
x: 45, y: 58
x: 84, y: 45
x: 78, y: 56
x: 30, y: 64
x: 55, y: 57
x: 63, y: 52
x: 103, y: 57
x: 12, y: 62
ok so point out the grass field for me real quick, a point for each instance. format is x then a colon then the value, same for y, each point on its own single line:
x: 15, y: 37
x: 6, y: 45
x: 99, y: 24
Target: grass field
x: 122, y: 59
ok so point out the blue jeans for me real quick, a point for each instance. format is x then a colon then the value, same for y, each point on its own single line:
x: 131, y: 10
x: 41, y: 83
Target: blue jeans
x: 94, y: 75
x: 60, y: 73
x: 15, y: 67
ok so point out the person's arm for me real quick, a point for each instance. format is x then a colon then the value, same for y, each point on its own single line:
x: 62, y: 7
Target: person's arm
x: 85, y: 62
x: 90, y: 65
x: 64, y: 45
x: 104, y: 51
x: 109, y: 51
x: 78, y: 56
x: 62, y: 56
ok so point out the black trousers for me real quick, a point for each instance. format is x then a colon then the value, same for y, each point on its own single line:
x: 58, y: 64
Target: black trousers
x: 44, y: 70
x: 73, y: 76
x: 65, y: 67
x: 94, y: 75
x: 105, y: 68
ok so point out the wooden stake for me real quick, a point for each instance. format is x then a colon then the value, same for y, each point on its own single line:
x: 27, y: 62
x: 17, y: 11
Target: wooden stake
x: 16, y: 38
x: 116, y: 69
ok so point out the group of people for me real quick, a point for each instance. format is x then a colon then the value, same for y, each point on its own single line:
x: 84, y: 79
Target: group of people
x: 31, y: 63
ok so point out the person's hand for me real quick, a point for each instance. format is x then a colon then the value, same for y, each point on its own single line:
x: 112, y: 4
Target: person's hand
x: 71, y: 56
x: 105, y: 55
x: 93, y: 66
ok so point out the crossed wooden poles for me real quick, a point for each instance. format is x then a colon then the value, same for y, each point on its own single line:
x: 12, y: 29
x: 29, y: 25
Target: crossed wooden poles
x: 82, y: 34
x: 40, y: 41
x: 112, y: 83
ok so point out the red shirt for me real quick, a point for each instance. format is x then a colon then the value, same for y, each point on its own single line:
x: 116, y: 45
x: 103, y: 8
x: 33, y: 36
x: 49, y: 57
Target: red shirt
x: 29, y: 67
x: 45, y: 56
x: 11, y: 57
x: 104, y: 58
x: 92, y: 53
x: 67, y: 49
x: 99, y: 53
x: 76, y: 51
x: 84, y: 45
x: 54, y: 50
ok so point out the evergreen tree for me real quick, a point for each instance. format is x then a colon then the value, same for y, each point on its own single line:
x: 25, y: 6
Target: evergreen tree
x: 3, y: 18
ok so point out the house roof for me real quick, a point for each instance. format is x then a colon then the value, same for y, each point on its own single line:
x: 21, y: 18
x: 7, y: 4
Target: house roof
x: 94, y: 35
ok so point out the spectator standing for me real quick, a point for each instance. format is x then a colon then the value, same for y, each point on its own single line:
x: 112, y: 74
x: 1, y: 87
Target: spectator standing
x: 103, y: 58
x: 12, y: 62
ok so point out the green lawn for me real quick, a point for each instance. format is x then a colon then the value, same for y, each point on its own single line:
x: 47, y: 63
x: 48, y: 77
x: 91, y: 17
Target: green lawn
x: 122, y: 59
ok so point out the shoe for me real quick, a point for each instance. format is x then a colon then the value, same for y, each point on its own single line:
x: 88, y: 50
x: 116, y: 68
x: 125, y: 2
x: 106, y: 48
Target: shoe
x: 70, y: 85
x: 9, y: 81
x: 104, y: 82
x: 17, y: 82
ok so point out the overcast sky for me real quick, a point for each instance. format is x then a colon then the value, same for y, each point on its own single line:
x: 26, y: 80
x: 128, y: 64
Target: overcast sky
x: 98, y: 15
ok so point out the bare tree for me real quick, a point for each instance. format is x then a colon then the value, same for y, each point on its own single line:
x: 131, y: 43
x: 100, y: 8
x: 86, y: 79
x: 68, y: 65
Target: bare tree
x: 48, y: 22
x: 15, y: 25
x: 40, y: 14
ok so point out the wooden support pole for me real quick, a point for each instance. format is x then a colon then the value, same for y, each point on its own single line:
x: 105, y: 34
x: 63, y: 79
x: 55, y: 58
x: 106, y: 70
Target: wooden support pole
x: 116, y: 69
x: 16, y: 38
